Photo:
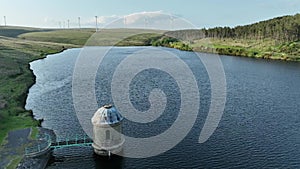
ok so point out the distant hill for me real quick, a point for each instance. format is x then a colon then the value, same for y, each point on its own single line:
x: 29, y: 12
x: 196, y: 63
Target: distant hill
x: 277, y: 38
x: 87, y: 36
x: 14, y: 31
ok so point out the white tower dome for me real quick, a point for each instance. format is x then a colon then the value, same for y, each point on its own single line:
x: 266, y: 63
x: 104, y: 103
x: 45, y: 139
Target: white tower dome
x: 107, y: 131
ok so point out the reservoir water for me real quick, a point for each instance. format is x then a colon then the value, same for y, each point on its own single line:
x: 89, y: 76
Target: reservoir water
x: 260, y: 127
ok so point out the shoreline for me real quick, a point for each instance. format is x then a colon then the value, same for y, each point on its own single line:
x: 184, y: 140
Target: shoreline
x: 233, y: 51
x: 213, y: 51
x: 34, y: 81
x: 248, y: 55
x: 14, y: 160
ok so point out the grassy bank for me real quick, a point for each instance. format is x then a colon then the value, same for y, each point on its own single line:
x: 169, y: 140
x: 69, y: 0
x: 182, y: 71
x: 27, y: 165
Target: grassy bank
x: 16, y: 77
x: 266, y: 48
x: 15, y: 80
x: 19, y: 46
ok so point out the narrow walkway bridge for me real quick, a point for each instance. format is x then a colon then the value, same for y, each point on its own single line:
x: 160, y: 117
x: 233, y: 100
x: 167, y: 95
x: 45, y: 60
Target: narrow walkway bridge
x: 46, y: 144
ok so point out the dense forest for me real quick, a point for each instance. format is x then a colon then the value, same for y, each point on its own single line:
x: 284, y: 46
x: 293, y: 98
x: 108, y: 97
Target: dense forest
x: 282, y: 29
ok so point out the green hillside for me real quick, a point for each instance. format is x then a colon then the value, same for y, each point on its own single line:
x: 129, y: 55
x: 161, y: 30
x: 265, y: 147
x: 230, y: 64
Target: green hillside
x: 276, y: 38
x: 14, y: 32
x: 104, y: 37
x: 21, y: 45
x: 69, y: 36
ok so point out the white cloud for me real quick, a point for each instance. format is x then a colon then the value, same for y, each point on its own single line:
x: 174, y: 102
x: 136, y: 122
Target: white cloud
x: 148, y: 20
x: 134, y: 18
x: 140, y: 17
x: 107, y: 19
x: 101, y: 20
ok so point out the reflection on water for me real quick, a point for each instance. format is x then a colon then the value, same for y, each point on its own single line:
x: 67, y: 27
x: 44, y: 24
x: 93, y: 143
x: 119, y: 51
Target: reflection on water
x: 115, y: 162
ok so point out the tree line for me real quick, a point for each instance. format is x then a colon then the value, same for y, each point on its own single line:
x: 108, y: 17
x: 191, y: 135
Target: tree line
x: 281, y: 29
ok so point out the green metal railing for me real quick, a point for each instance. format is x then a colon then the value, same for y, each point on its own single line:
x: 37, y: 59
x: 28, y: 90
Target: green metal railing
x: 42, y: 146
x: 45, y: 144
x: 78, y: 140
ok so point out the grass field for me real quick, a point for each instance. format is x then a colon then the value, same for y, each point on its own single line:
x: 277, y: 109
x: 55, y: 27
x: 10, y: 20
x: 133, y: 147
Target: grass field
x: 104, y: 37
x: 19, y: 46
x: 109, y: 37
x: 16, y: 78
x: 14, y: 32
x: 75, y: 36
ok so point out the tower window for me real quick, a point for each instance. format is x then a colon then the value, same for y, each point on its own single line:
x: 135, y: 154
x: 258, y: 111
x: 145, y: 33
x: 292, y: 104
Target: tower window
x: 107, y: 135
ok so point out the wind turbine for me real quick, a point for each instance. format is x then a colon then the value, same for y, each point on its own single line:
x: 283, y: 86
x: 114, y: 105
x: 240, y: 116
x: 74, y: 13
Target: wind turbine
x: 146, y: 22
x: 68, y: 24
x: 79, y: 23
x: 125, y: 22
x: 172, y: 22
x: 96, y: 23
x: 4, y: 20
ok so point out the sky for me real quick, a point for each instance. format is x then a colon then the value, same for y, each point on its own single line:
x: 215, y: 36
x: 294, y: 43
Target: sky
x: 200, y: 13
